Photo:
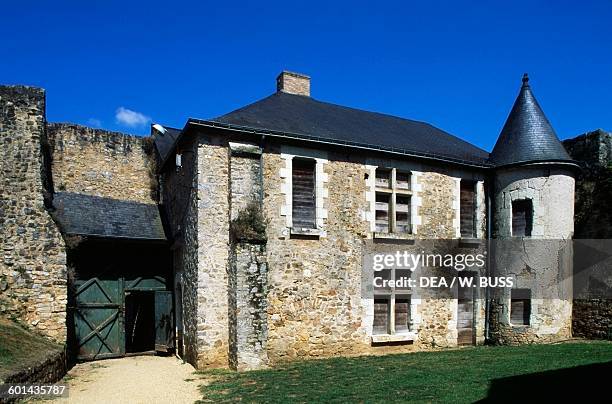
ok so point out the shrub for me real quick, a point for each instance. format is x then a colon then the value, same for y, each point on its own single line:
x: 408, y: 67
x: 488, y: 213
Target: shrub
x: 249, y: 225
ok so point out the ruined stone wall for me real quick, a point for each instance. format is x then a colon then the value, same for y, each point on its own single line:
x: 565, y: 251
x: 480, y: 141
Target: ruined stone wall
x: 594, y: 184
x: 101, y: 163
x: 592, y: 318
x: 33, y: 262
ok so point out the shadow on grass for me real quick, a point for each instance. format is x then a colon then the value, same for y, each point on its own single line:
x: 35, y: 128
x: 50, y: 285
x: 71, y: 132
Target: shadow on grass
x: 584, y: 383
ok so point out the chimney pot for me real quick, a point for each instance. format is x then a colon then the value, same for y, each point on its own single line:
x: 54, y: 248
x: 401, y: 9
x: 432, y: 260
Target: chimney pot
x: 293, y: 83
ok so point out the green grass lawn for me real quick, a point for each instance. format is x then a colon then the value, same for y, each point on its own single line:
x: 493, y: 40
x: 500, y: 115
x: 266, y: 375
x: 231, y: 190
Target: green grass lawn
x: 19, y: 347
x: 464, y: 375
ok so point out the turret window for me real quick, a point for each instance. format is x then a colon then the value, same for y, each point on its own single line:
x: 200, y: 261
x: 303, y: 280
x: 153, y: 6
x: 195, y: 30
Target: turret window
x: 522, y: 218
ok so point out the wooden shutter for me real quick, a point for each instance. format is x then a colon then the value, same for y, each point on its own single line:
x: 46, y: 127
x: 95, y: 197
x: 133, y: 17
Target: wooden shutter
x: 402, y: 314
x: 402, y: 214
x: 522, y: 218
x: 382, y: 212
x: 467, y: 209
x: 520, y: 307
x: 381, y: 316
x: 304, y: 195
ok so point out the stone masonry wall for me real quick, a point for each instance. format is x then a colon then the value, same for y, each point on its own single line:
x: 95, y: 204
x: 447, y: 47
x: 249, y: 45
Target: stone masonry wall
x: 592, y: 318
x: 213, y: 252
x: 33, y: 261
x: 179, y: 199
x: 315, y: 304
x: 101, y: 163
x: 248, y: 307
x: 248, y: 280
x: 540, y: 263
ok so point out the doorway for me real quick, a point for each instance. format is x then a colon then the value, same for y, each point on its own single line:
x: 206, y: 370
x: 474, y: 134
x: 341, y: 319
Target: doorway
x: 139, y: 321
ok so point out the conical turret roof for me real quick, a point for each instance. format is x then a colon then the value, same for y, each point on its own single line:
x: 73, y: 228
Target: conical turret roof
x: 527, y: 136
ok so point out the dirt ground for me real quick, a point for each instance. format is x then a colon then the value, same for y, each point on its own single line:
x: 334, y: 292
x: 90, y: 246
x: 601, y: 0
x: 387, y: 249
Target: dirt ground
x: 136, y: 379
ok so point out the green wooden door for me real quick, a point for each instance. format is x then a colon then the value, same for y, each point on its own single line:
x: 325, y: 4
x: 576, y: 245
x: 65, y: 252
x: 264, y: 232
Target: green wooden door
x: 98, y: 318
x: 164, y: 327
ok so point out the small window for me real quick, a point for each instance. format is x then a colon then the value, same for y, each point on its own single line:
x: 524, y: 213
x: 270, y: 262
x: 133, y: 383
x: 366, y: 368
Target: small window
x: 304, y: 194
x: 520, y: 306
x: 382, y: 212
x: 522, y: 218
x: 467, y: 209
x: 381, y: 315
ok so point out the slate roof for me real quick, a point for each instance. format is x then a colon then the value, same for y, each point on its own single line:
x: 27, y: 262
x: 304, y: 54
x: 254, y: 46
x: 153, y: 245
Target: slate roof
x: 105, y: 217
x: 527, y: 136
x: 302, y: 115
x: 164, y: 142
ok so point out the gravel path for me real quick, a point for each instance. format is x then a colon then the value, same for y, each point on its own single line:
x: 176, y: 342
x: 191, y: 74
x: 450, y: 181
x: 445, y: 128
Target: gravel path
x: 136, y: 379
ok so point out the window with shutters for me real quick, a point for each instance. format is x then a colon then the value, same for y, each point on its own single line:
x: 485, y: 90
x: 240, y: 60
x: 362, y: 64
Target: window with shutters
x: 391, y: 314
x: 303, y: 190
x: 467, y: 209
x: 522, y: 218
x: 392, y: 305
x: 520, y: 306
x: 393, y: 201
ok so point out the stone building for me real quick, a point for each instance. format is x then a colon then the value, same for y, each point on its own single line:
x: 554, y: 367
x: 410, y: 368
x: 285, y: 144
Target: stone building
x: 243, y: 240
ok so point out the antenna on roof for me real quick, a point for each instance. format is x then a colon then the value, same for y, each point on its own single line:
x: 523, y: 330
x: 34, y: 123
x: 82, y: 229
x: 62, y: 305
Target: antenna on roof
x: 159, y: 128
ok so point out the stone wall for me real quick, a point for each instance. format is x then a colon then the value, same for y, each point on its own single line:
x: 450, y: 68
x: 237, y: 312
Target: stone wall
x: 594, y: 184
x: 101, y: 163
x: 33, y: 261
x: 541, y: 262
x: 213, y: 252
x: 315, y: 304
x: 592, y: 318
x: 179, y: 199
x: 248, y: 284
x: 49, y: 370
x: 315, y: 307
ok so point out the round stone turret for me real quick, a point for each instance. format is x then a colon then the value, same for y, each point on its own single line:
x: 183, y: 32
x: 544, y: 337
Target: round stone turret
x: 533, y: 223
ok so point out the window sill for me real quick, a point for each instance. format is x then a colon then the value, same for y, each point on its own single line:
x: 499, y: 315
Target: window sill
x: 382, y: 338
x: 393, y: 236
x: 470, y: 242
x: 303, y: 231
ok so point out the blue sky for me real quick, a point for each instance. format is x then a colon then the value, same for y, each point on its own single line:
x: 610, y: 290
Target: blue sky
x: 457, y: 65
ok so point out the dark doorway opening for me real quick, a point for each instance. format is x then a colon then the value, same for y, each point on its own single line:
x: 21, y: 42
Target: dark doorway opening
x: 139, y: 321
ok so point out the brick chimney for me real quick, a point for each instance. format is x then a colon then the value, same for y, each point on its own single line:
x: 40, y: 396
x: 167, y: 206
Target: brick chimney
x: 293, y: 83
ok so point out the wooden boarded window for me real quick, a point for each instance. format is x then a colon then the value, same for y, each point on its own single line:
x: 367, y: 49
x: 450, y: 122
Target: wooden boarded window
x: 381, y: 315
x: 393, y: 201
x: 402, y: 180
x: 382, y: 212
x: 520, y: 306
x: 304, y: 194
x: 467, y: 209
x: 522, y: 218
x: 402, y: 213
x: 402, y: 313
x: 383, y: 178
